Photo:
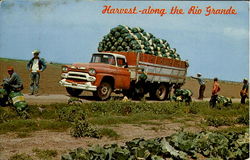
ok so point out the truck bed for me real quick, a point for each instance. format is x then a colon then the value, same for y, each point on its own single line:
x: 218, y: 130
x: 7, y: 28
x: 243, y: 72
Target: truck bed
x: 158, y: 69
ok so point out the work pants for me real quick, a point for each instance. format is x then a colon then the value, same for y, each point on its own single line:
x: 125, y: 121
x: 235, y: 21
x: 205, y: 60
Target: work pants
x: 243, y: 99
x: 213, y: 100
x: 34, y: 86
x: 201, y: 91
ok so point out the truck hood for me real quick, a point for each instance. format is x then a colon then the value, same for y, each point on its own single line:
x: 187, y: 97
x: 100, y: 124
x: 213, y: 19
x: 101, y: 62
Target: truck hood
x: 90, y: 65
x: 99, y: 67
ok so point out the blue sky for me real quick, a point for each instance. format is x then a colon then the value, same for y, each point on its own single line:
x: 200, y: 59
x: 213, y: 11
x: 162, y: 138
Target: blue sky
x: 67, y: 32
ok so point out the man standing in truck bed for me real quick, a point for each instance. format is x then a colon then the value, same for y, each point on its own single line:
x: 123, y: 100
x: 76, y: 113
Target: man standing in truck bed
x: 35, y: 66
x: 202, y: 86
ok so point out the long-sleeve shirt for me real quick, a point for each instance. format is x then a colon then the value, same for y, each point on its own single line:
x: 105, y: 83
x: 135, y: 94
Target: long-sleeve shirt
x: 14, y: 80
x: 200, y: 80
x: 32, y: 64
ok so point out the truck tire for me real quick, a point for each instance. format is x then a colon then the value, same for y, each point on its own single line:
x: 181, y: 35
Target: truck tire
x: 161, y: 92
x: 74, y: 92
x: 103, y: 91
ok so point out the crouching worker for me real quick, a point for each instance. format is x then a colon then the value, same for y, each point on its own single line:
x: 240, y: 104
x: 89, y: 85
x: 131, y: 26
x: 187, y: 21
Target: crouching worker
x: 13, y: 83
x: 140, y: 85
x: 183, y: 95
x: 12, y: 87
x: 225, y: 101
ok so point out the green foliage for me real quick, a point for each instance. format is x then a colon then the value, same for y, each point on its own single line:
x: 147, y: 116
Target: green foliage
x: 6, y: 114
x: 194, y: 108
x: 109, y: 133
x: 81, y: 128
x: 183, y: 141
x: 219, y: 121
x: 32, y: 125
x: 230, y: 145
x: 3, y: 117
x: 243, y: 119
x: 45, y: 154
x: 43, y: 111
x: 21, y: 157
x: 182, y: 145
x: 60, y: 116
x: 71, y: 113
x: 127, y: 108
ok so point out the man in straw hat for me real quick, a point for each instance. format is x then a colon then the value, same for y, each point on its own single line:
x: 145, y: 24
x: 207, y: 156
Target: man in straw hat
x: 202, y: 85
x: 35, y: 66
x: 244, y: 91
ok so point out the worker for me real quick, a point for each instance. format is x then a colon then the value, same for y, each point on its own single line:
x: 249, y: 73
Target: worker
x: 14, y: 82
x: 35, y: 66
x: 202, y: 85
x: 140, y: 84
x: 244, y: 91
x: 143, y: 76
x: 215, y: 90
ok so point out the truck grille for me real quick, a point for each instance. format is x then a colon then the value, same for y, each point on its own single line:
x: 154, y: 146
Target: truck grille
x: 77, y: 75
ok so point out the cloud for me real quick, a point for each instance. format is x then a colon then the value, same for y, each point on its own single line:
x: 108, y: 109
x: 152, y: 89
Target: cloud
x: 237, y: 33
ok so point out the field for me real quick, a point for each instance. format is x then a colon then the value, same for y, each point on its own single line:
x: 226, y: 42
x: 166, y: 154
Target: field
x: 55, y: 129
x: 51, y: 76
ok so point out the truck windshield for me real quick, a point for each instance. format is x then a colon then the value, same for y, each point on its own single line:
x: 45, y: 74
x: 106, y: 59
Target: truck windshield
x: 103, y: 58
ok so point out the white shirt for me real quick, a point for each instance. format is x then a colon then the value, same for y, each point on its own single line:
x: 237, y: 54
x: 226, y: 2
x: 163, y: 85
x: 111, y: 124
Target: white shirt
x: 35, y: 66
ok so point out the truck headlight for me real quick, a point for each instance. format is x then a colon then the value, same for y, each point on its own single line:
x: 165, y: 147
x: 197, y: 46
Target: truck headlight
x: 64, y: 69
x: 92, y: 72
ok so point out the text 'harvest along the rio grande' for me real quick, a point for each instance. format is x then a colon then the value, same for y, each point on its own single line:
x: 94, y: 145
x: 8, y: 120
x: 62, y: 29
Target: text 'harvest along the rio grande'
x: 174, y: 10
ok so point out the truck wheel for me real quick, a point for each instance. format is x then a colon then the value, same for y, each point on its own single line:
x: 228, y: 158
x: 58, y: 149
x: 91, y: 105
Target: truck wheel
x: 161, y: 92
x: 104, y: 91
x: 74, y: 92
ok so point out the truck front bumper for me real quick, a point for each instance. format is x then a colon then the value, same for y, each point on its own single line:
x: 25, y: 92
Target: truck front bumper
x: 87, y: 86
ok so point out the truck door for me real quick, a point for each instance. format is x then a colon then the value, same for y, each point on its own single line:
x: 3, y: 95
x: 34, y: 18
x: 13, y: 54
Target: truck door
x: 122, y: 74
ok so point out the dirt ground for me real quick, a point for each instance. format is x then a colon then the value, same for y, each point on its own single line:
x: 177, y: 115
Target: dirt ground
x: 62, y: 142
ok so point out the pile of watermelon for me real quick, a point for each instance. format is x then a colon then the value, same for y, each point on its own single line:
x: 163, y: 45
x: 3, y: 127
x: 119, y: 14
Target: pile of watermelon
x: 124, y: 38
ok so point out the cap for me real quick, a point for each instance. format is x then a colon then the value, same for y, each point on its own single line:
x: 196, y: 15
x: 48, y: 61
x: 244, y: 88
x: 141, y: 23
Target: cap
x: 10, y: 68
x: 36, y: 51
x: 245, y: 79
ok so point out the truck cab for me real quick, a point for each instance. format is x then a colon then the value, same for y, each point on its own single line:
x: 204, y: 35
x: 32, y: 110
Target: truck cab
x: 120, y: 71
x: 104, y: 73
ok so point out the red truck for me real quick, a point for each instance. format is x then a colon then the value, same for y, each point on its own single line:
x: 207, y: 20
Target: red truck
x: 120, y: 71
